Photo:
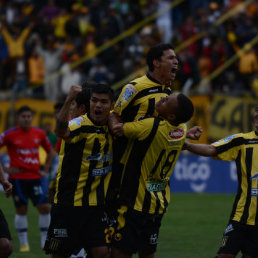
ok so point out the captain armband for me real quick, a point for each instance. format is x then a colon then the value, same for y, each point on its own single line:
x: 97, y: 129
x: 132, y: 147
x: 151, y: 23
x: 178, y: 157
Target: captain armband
x: 61, y: 124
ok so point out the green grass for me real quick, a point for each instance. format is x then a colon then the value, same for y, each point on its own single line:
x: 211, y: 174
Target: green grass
x: 192, y: 227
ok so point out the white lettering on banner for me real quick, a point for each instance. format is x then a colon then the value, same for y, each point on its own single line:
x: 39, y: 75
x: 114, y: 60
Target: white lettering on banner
x: 233, y: 171
x: 195, y: 171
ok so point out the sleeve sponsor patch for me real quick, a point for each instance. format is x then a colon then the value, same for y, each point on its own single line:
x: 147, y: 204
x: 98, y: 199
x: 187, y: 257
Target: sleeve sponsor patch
x: 225, y: 140
x: 128, y: 93
x: 76, y: 121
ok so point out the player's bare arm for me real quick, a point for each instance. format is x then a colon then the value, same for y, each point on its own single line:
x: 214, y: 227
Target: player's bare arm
x: 194, y: 133
x: 6, y: 185
x: 62, y: 119
x: 201, y: 149
x: 113, y: 121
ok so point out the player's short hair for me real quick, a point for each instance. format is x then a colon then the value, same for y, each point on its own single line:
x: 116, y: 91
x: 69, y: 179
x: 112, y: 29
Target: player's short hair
x: 185, y: 109
x: 155, y: 53
x: 83, y: 98
x: 23, y: 109
x: 102, y: 88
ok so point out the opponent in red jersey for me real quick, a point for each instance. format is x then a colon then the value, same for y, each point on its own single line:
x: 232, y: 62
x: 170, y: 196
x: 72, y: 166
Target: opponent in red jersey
x: 23, y: 143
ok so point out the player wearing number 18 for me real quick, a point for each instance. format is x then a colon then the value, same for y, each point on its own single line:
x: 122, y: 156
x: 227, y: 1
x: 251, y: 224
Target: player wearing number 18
x: 144, y: 191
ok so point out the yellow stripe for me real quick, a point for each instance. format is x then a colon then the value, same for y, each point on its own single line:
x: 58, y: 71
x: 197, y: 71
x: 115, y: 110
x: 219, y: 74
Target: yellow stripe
x: 121, y: 218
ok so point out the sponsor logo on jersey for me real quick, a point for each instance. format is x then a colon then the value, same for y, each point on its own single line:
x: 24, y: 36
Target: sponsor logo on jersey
x: 128, y: 93
x: 176, y: 134
x: 101, y: 159
x: 76, y: 121
x: 118, y: 237
x: 101, y: 171
x: 254, y: 191
x: 153, y: 239
x: 155, y: 187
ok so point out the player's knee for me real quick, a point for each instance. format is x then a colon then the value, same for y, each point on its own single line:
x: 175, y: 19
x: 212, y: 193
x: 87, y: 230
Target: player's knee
x: 44, y: 208
x: 5, y: 247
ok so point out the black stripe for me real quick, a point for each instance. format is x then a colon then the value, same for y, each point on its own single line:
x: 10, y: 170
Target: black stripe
x: 87, y: 129
x: 165, y: 199
x: 70, y: 172
x: 93, y: 163
x: 100, y: 188
x: 157, y: 203
x: 146, y: 201
x: 130, y: 112
x: 239, y: 190
x: 234, y: 143
x: 132, y: 172
x: 151, y: 107
x: 248, y: 163
x: 148, y: 91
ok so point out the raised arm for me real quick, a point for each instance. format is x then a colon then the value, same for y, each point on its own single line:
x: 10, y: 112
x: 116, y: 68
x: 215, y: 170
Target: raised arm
x: 62, y: 119
x: 201, y: 149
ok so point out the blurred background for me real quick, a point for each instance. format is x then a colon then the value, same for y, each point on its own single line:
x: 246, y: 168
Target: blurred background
x: 46, y: 46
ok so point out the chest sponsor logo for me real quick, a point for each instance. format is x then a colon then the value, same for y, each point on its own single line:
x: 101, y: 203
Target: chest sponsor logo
x: 101, y: 171
x: 176, y: 134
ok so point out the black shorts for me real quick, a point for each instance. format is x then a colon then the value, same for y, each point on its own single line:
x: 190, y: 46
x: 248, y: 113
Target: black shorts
x: 35, y: 189
x: 73, y: 228
x: 136, y: 231
x: 240, y: 237
x: 4, y: 229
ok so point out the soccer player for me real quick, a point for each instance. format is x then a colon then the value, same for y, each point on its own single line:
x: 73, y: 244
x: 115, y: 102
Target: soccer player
x: 137, y: 100
x: 22, y: 144
x: 241, y: 233
x: 78, y: 218
x: 144, y: 191
x: 5, y: 236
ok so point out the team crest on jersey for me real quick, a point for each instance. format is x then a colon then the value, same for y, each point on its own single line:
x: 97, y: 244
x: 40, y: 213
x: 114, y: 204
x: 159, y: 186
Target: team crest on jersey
x: 128, y: 93
x: 76, y: 121
x: 176, y: 134
x: 118, y: 237
x: 36, y: 140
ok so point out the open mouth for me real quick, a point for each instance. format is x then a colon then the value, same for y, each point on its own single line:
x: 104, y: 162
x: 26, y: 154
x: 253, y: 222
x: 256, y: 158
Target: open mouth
x: 98, y: 112
x: 174, y: 69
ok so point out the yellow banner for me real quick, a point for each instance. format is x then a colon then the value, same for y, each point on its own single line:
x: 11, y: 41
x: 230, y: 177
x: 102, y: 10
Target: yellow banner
x: 43, y: 112
x: 201, y: 116
x: 231, y: 115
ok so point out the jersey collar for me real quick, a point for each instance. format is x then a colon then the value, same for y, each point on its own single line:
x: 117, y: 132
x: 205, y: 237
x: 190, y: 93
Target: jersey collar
x: 152, y: 79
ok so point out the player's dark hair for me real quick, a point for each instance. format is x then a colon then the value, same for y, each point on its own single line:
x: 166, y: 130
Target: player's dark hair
x: 155, y: 53
x: 83, y: 98
x: 184, y: 110
x: 102, y: 88
x: 23, y: 109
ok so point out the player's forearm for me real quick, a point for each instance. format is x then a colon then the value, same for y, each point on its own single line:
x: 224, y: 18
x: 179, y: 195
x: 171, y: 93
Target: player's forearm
x: 62, y: 120
x: 2, y: 176
x: 113, y: 121
x: 201, y: 149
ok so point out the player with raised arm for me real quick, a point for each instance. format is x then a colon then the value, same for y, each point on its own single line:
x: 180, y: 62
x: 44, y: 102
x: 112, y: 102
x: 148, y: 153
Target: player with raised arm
x: 144, y: 191
x: 241, y: 233
x: 78, y: 217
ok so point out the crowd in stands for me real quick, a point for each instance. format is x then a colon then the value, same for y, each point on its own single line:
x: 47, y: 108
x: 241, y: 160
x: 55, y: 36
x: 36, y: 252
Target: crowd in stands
x: 41, y: 41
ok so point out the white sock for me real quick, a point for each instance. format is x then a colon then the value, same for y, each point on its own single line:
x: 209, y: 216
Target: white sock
x: 44, y: 220
x: 80, y: 254
x: 21, y: 225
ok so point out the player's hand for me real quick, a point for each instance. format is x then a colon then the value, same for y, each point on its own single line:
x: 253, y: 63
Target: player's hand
x: 8, y: 187
x: 194, y: 133
x: 74, y: 91
x: 118, y: 129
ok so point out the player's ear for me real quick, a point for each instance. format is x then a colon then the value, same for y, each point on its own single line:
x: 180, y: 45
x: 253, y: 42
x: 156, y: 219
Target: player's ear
x: 171, y: 117
x: 156, y: 63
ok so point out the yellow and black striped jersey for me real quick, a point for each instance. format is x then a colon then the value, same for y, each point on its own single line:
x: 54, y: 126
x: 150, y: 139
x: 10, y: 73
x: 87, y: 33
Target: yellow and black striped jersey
x: 145, y: 178
x: 138, y: 98
x: 243, y: 148
x: 84, y: 165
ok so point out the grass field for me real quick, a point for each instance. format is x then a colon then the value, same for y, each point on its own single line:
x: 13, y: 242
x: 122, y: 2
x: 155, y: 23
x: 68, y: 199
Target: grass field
x: 191, y: 228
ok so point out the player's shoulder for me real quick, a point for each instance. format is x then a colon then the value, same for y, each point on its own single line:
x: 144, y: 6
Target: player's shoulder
x: 143, y: 82
x: 11, y: 130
